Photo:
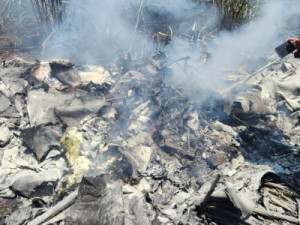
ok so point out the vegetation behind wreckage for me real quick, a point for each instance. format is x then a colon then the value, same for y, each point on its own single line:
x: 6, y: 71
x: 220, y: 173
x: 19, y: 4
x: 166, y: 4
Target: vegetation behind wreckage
x: 232, y: 13
x: 24, y: 17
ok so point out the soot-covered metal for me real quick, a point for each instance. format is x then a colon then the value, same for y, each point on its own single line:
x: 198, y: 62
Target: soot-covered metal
x: 130, y: 148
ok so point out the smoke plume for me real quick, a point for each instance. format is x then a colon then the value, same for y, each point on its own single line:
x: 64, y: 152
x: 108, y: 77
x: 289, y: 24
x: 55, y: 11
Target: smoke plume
x: 248, y: 47
x: 100, y: 30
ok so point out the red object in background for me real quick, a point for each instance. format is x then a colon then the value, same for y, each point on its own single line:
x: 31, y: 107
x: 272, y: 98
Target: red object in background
x: 152, y: 129
x: 73, y: 88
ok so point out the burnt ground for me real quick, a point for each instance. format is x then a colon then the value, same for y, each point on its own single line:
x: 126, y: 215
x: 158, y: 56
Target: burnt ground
x: 122, y: 145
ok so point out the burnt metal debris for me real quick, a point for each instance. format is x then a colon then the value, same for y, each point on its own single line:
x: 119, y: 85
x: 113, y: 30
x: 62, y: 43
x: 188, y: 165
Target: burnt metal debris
x: 95, y: 145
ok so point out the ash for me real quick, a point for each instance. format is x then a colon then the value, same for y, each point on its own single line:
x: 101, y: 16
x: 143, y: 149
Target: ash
x: 121, y: 145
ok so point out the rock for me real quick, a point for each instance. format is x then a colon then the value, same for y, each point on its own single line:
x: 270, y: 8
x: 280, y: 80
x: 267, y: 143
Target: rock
x: 42, y: 139
x: 4, y: 135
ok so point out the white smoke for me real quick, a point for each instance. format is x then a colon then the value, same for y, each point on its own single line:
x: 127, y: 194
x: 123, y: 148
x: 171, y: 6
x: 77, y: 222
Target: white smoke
x: 101, y: 29
x: 247, y: 47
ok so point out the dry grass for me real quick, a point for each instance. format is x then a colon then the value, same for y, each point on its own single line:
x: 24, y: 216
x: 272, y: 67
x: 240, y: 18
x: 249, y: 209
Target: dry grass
x: 51, y: 13
x: 15, y: 13
x: 18, y: 27
x: 292, y: 27
x: 7, y: 14
x: 234, y: 13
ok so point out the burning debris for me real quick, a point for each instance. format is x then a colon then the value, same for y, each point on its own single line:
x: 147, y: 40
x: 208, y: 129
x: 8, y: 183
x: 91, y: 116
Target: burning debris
x: 129, y: 148
x: 149, y: 140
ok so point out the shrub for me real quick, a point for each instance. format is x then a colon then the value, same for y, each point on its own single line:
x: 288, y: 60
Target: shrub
x: 15, y: 13
x: 233, y: 13
x: 236, y: 12
x: 51, y: 13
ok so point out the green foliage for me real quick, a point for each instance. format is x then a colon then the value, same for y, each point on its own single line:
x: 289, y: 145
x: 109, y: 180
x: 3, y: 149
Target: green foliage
x: 22, y: 12
x: 236, y: 12
x: 233, y: 13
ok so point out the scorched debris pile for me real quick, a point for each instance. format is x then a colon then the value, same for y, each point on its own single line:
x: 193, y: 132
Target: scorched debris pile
x: 120, y: 145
